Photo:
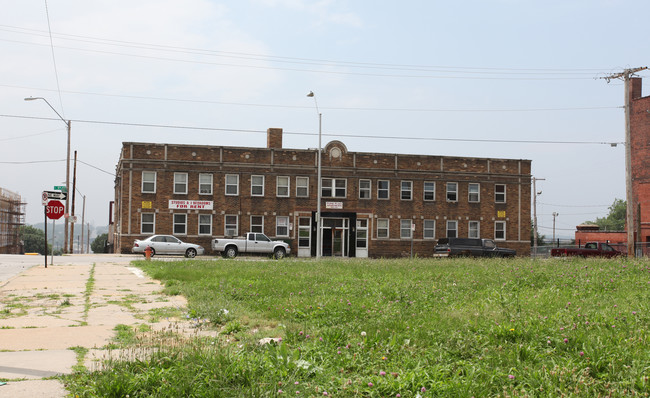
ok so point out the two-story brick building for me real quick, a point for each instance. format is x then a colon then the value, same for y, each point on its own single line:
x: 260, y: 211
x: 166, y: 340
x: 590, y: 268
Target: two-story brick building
x: 373, y: 204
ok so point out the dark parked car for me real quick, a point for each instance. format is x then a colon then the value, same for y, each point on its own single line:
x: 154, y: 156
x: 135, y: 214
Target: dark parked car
x: 451, y: 247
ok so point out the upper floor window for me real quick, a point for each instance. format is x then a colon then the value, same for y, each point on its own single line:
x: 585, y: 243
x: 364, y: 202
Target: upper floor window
x: 148, y: 182
x: 205, y: 184
x: 429, y: 190
x: 232, y: 184
x: 500, y: 193
x: 282, y: 188
x: 407, y: 190
x: 257, y: 185
x: 364, y: 189
x: 302, y: 187
x: 334, y: 187
x: 180, y: 183
x: 383, y: 189
x: 452, y: 193
x: 474, y: 192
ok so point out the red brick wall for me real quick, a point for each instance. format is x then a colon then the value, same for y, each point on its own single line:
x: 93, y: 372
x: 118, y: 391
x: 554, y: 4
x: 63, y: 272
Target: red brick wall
x: 640, y: 154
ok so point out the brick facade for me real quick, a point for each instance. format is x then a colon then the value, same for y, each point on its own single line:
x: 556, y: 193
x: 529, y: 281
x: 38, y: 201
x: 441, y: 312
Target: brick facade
x: 369, y: 199
x: 640, y: 156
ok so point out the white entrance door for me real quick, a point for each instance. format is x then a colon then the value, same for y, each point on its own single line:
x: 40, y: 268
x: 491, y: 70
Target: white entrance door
x: 362, y: 238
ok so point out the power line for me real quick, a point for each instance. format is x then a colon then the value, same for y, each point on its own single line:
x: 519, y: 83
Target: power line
x: 56, y: 161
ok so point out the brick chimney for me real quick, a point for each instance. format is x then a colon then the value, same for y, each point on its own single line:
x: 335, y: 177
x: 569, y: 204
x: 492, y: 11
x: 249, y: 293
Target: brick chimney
x: 635, y: 89
x: 274, y: 138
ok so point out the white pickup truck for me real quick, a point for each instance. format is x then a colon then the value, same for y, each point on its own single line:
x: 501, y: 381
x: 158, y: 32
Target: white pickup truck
x: 255, y: 243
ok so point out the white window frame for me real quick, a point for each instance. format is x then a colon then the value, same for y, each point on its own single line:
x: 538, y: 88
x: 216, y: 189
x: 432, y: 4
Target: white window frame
x: 152, y: 223
x: 455, y: 229
x: 498, y: 194
x: 477, y: 229
x: 285, y: 187
x: 256, y: 183
x: 405, y: 231
x: 205, y: 187
x: 496, y: 228
x: 450, y: 191
x: 477, y: 193
x: 201, y: 223
x: 230, y: 184
x: 386, y: 190
x: 365, y: 189
x: 235, y: 225
x: 146, y: 181
x: 175, y: 223
x: 282, y: 222
x: 257, y: 227
x: 432, y: 192
x: 179, y: 183
x: 406, y: 190
x: 334, y: 188
x: 429, y: 229
x: 385, y: 228
x: 302, y: 183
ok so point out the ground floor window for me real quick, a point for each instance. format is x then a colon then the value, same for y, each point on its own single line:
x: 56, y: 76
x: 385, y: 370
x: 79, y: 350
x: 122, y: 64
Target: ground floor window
x: 405, y: 229
x: 429, y: 229
x: 148, y: 223
x: 499, y: 230
x: 231, y: 225
x: 180, y: 224
x: 382, y: 228
x: 473, y: 229
x: 205, y: 224
x: 452, y: 229
x: 282, y: 226
x: 257, y: 224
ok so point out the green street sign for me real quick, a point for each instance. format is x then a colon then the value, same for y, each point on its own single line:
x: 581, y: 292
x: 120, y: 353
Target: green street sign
x: 60, y: 188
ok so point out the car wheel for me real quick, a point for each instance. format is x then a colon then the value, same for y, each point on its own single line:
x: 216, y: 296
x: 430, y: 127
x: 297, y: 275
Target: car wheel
x: 231, y: 252
x: 191, y: 253
x: 279, y: 253
x: 153, y: 252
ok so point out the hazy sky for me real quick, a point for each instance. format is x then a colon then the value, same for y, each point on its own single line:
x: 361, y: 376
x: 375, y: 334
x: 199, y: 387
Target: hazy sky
x: 472, y: 78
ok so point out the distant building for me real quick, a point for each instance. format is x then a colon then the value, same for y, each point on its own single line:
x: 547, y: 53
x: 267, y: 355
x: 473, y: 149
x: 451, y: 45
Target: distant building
x: 592, y: 233
x: 12, y: 217
x: 373, y: 204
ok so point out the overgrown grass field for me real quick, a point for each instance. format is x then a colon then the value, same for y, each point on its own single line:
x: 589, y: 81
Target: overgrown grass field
x: 398, y: 328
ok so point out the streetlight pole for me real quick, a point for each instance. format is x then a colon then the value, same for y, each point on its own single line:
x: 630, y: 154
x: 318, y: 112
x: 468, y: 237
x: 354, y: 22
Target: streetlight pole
x: 68, y: 124
x: 535, y: 193
x: 319, y: 232
x: 555, y: 214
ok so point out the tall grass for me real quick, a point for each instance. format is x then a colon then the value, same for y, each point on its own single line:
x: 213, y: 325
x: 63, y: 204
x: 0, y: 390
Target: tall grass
x: 391, y: 328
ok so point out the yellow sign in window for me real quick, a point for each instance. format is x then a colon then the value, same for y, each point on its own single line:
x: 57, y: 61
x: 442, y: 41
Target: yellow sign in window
x: 501, y: 213
x: 146, y: 204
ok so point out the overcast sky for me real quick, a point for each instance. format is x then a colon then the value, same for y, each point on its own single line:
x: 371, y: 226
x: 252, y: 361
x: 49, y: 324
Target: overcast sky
x: 472, y: 78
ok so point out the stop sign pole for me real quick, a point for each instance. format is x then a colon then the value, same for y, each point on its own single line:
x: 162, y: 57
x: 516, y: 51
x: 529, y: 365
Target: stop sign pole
x: 52, y: 209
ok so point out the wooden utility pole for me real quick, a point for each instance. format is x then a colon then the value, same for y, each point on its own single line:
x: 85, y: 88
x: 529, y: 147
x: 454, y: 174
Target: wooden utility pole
x: 629, y: 193
x: 535, y: 234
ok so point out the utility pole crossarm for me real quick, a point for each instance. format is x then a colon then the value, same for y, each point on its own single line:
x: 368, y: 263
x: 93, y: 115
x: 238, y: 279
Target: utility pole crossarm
x: 626, y: 74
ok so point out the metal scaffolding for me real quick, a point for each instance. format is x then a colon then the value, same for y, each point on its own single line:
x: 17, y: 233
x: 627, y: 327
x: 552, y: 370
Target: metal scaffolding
x: 12, y: 217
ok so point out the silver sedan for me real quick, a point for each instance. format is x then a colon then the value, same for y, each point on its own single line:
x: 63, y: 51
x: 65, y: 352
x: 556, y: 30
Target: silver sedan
x: 167, y: 244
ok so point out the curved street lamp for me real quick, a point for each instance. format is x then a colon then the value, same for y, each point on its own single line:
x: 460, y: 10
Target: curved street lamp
x: 319, y: 193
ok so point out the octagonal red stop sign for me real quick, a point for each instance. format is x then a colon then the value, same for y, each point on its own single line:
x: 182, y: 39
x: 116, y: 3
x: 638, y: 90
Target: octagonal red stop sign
x: 54, y: 209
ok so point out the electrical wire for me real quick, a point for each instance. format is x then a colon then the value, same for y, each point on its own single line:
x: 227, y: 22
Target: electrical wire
x: 56, y: 72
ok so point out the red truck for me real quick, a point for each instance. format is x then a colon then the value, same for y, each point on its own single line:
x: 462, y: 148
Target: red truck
x: 591, y: 249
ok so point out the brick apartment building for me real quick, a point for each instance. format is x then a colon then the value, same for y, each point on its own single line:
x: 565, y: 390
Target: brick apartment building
x: 640, y: 157
x: 373, y: 204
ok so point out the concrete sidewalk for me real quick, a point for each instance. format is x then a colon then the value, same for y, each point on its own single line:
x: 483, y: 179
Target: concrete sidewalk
x: 44, y: 312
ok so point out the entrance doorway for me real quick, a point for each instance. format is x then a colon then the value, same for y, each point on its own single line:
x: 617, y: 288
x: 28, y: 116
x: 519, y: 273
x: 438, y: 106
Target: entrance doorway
x: 335, y: 235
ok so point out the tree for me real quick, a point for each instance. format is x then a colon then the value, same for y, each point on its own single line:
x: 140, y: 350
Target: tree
x: 34, y: 240
x: 615, y: 220
x: 99, y: 244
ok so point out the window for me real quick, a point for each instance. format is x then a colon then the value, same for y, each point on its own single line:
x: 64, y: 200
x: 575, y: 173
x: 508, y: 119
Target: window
x: 364, y: 189
x: 148, y: 182
x: 407, y: 190
x: 362, y: 233
x: 452, y: 192
x: 473, y: 228
x: 282, y: 186
x: 405, y: 229
x: 257, y: 185
x: 257, y: 224
x: 334, y: 187
x: 282, y: 226
x: 499, y: 193
x: 382, y: 228
x: 180, y: 183
x: 304, y: 232
x: 205, y: 184
x: 231, y: 225
x: 474, y: 192
x: 302, y: 187
x: 452, y: 229
x: 232, y: 184
x: 180, y: 224
x: 205, y: 224
x: 499, y: 230
x: 148, y: 223
x: 429, y: 229
x: 383, y: 189
x: 429, y: 190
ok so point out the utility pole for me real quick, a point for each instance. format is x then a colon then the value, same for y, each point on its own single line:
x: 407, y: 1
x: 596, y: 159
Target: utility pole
x: 535, y: 193
x: 629, y: 193
x: 74, y: 187
x: 555, y: 214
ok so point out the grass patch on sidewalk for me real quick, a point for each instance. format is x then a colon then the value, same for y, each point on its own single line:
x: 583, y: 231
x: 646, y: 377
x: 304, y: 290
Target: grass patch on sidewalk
x: 389, y: 328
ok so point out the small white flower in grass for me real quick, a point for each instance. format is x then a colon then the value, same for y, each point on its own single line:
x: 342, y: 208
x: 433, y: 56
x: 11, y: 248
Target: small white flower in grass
x: 363, y: 334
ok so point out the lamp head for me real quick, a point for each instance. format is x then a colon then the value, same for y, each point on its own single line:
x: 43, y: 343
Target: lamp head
x: 31, y: 99
x: 311, y: 94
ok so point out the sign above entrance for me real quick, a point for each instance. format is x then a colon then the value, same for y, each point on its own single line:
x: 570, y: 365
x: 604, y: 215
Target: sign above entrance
x: 191, y: 204
x: 334, y: 205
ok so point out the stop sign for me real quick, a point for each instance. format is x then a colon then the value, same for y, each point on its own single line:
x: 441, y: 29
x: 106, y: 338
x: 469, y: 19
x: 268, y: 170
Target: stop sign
x: 54, y: 209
